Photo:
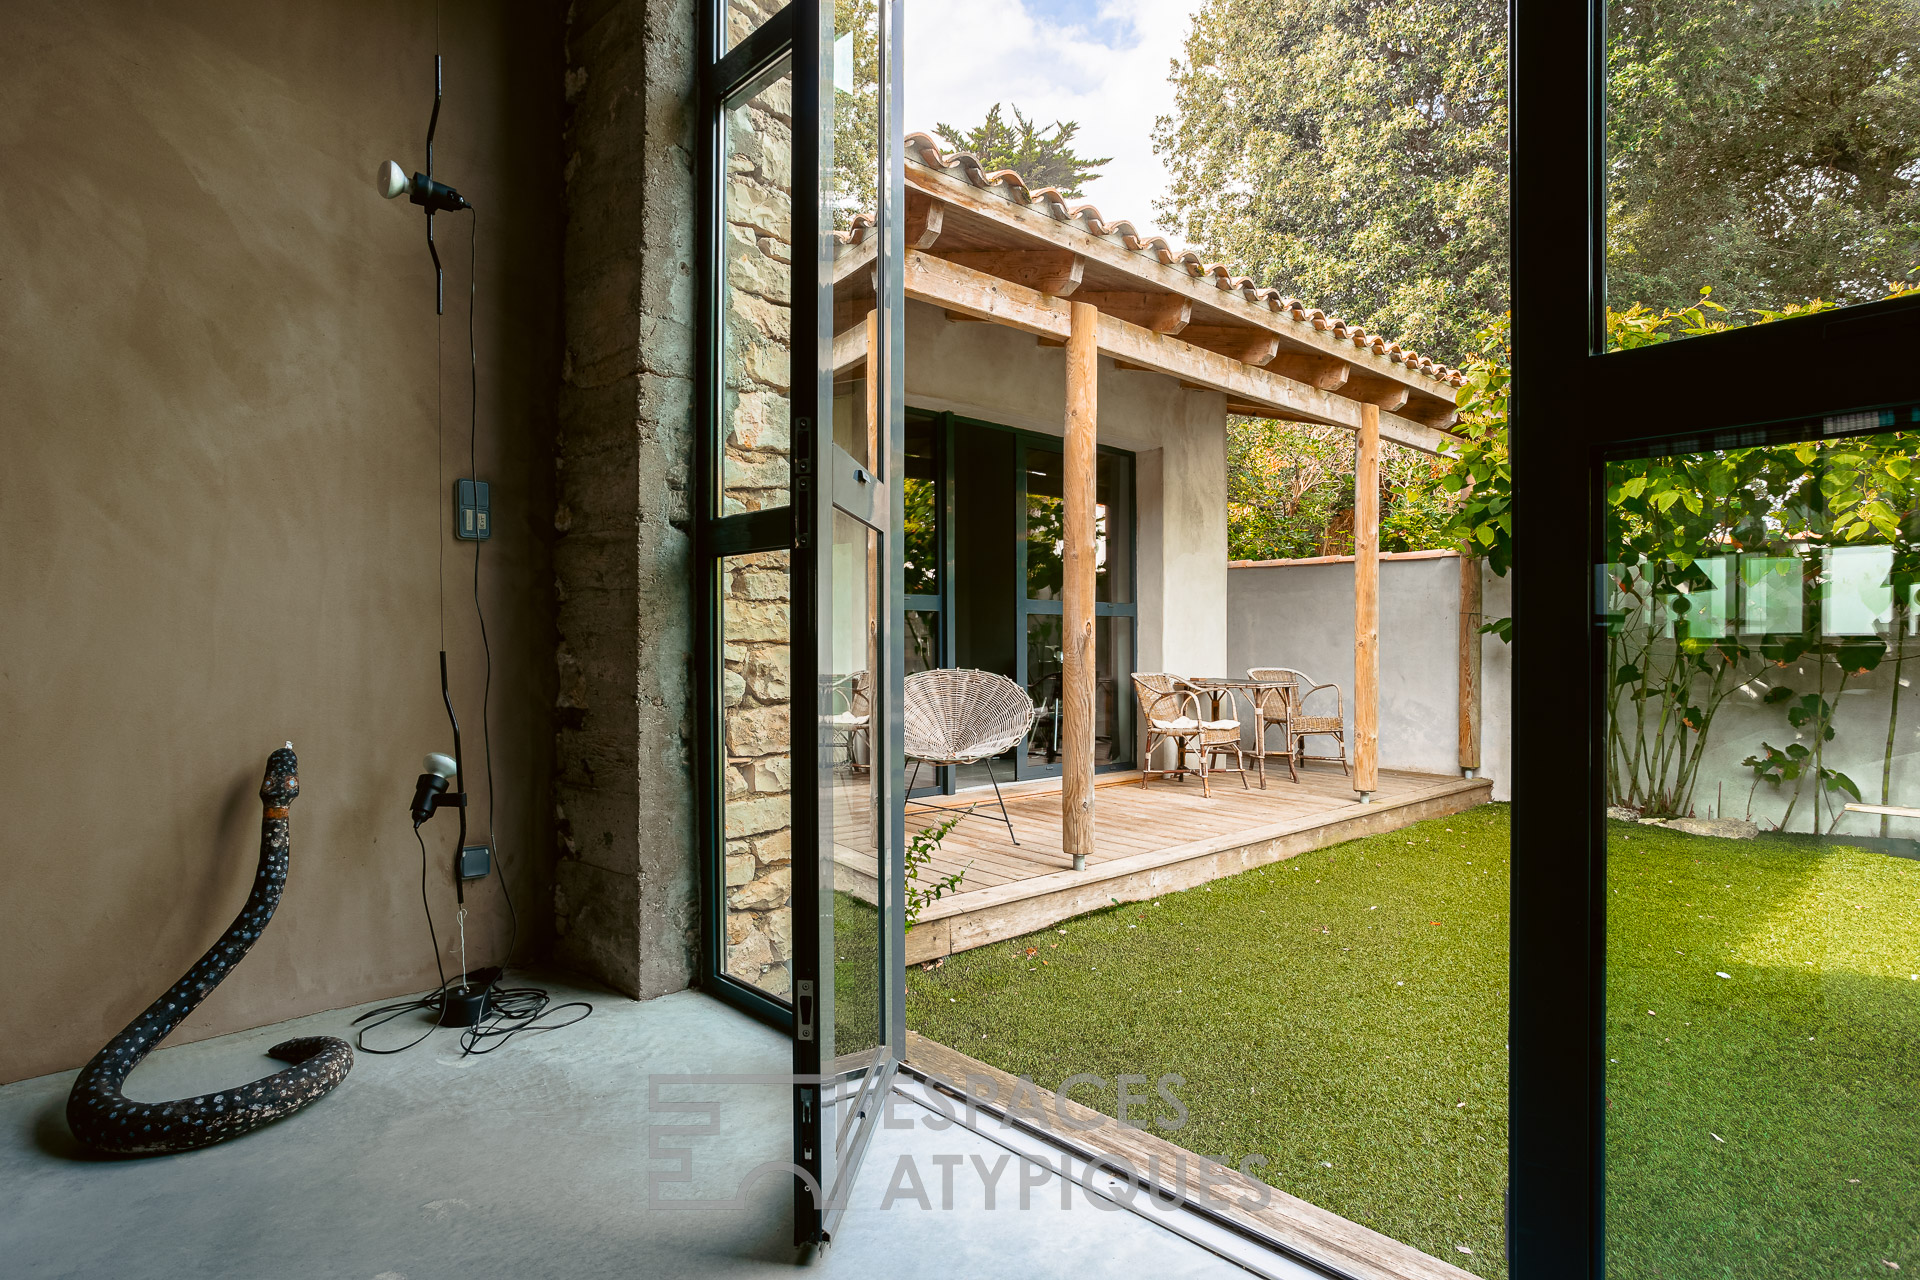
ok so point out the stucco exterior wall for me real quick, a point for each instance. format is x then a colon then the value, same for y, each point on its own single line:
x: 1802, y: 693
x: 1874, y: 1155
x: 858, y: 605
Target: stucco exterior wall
x: 224, y: 500
x: 1000, y: 375
x: 1301, y: 615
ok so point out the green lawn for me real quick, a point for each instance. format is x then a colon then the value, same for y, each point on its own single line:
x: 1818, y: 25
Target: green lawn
x: 1765, y: 1123
x: 1334, y: 1012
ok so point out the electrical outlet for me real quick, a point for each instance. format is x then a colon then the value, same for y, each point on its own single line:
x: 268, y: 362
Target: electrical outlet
x: 472, y: 511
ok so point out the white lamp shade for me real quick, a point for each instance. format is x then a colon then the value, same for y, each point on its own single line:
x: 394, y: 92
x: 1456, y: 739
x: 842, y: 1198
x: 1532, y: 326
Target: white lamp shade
x: 392, y: 180
x: 442, y: 765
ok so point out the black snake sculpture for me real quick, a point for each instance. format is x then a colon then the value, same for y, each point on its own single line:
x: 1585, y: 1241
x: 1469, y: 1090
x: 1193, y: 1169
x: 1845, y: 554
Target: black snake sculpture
x: 103, y: 1117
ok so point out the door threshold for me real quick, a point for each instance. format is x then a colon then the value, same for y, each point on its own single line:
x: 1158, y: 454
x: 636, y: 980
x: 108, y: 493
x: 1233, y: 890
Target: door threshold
x: 1254, y: 1225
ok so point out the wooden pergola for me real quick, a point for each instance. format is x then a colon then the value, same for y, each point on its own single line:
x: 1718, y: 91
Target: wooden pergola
x: 982, y: 247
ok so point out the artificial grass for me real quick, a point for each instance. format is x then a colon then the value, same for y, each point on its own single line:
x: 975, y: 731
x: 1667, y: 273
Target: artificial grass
x: 1333, y: 1012
x: 1765, y: 1122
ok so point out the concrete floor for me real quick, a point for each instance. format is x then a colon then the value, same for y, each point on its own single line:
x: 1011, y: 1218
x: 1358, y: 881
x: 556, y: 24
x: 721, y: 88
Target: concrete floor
x: 531, y: 1161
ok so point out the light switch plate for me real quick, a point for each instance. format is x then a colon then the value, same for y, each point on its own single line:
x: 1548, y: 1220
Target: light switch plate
x: 472, y: 511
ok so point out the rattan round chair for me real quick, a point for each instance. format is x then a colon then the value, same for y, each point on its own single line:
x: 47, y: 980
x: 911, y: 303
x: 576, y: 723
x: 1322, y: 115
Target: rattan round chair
x: 959, y: 716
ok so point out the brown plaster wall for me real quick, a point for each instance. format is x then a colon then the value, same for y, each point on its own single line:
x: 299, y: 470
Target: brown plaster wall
x: 625, y: 898
x: 221, y: 509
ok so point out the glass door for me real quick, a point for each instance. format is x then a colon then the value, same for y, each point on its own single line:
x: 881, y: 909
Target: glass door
x: 801, y: 475
x: 1713, y: 999
x: 1041, y: 548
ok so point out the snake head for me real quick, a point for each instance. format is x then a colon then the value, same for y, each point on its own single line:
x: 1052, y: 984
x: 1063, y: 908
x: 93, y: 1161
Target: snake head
x: 282, y: 782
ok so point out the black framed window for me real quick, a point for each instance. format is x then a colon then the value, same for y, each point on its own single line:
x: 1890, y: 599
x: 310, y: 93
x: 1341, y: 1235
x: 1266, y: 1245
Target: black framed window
x: 1578, y: 412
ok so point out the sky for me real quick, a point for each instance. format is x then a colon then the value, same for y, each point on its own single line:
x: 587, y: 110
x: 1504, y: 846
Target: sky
x: 1101, y: 62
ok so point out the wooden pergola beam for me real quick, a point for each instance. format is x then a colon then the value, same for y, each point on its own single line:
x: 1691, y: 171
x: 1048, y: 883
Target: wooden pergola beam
x: 1054, y: 272
x: 961, y: 289
x: 1160, y: 312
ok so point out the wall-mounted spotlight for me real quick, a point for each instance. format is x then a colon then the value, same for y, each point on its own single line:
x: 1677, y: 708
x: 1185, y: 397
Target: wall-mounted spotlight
x: 421, y: 189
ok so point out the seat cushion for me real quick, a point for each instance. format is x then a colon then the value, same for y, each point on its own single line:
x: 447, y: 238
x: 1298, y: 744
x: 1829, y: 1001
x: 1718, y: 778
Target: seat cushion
x: 1187, y: 724
x: 845, y: 721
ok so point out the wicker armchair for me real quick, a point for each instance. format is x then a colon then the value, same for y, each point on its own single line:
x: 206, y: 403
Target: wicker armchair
x: 959, y: 716
x: 1173, y: 714
x: 1282, y: 707
x: 852, y: 718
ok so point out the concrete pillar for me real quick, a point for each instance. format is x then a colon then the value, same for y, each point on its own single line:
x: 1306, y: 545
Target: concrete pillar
x: 625, y: 892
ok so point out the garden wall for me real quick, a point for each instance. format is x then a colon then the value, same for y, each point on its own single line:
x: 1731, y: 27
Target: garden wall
x: 1299, y: 613
x: 1788, y: 635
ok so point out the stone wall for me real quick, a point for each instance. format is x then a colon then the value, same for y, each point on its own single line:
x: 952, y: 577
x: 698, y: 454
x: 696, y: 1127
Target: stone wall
x: 759, y: 832
x: 756, y: 376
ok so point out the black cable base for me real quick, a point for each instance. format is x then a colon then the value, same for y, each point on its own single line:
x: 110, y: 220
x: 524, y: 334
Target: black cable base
x: 465, y: 1006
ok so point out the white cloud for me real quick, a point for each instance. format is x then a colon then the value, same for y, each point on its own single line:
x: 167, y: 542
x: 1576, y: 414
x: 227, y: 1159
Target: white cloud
x: 1101, y: 62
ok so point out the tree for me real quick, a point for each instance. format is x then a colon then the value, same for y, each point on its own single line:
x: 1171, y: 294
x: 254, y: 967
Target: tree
x: 1352, y: 153
x: 1290, y: 493
x: 1042, y: 157
x: 1768, y: 148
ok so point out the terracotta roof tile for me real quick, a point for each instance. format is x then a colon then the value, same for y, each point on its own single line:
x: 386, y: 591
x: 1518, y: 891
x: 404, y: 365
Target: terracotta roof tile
x: 1048, y: 200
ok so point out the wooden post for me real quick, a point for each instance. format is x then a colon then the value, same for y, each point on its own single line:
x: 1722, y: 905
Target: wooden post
x: 1077, y: 680
x: 1469, y: 664
x: 1366, y: 605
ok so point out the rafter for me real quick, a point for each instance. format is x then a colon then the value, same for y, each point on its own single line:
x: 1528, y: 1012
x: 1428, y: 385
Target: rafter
x: 1160, y: 312
x: 1052, y: 271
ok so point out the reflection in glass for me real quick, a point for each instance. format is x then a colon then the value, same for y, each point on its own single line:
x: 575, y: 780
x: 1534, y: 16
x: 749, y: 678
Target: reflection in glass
x: 856, y: 111
x: 1766, y: 151
x: 922, y: 547
x: 744, y: 17
x: 923, y: 640
x: 755, y: 633
x: 1112, y: 665
x: 1762, y: 1009
x: 756, y: 304
x: 1046, y: 530
x: 852, y: 872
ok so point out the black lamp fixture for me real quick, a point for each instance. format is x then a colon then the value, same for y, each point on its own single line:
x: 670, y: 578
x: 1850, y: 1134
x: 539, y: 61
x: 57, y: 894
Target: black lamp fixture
x: 435, y: 197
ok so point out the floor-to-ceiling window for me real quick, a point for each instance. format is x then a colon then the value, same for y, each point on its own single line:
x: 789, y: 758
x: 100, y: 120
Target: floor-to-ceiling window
x: 984, y: 562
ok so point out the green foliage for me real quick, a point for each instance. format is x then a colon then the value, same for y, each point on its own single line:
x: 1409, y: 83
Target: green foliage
x: 1290, y: 493
x: 1354, y: 152
x: 856, y: 116
x: 921, y: 846
x: 1768, y: 147
x: 1673, y: 669
x: 1043, y: 157
x: 1350, y: 152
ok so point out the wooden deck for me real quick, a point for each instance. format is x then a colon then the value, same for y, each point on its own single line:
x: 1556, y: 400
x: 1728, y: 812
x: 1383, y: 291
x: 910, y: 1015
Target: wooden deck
x: 1147, y: 842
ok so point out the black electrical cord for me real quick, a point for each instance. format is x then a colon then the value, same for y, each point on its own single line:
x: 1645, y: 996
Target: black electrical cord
x: 436, y: 1001
x: 510, y: 1010
x: 486, y: 646
x: 513, y: 1010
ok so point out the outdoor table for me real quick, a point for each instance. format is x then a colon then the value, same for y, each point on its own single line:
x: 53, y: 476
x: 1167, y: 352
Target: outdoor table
x: 1214, y: 686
